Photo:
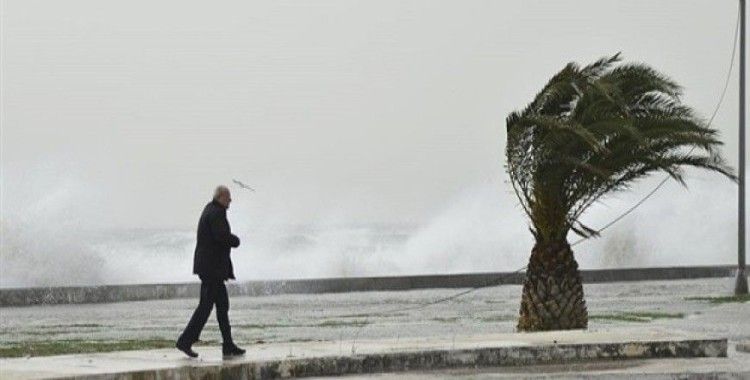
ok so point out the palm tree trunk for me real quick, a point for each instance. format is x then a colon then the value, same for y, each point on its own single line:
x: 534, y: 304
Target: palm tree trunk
x: 552, y: 296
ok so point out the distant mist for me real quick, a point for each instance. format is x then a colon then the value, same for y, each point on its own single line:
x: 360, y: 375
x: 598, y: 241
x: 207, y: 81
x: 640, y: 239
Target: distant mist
x: 480, y: 230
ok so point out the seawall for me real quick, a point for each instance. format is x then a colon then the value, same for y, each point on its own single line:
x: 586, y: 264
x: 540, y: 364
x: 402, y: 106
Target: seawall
x: 121, y: 293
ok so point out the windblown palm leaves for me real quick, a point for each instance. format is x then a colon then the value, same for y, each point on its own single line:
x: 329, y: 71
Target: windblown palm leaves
x: 596, y: 129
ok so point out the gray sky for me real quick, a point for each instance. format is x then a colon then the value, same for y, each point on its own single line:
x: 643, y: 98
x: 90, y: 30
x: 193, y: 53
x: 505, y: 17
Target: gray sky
x: 372, y: 111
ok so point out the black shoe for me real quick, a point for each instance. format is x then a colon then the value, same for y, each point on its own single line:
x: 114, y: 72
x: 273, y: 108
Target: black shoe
x: 231, y: 350
x: 186, y: 349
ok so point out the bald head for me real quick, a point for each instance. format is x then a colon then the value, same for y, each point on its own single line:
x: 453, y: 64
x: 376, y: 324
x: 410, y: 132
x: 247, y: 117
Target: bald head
x: 222, y: 196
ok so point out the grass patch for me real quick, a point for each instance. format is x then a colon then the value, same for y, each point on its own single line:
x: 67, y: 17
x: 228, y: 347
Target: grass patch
x: 334, y: 323
x: 636, y: 316
x: 76, y: 325
x: 498, y: 318
x: 303, y: 340
x: 445, y: 319
x: 47, y: 333
x: 328, y: 323
x: 259, y: 326
x: 722, y: 299
x: 374, y: 315
x: 79, y: 346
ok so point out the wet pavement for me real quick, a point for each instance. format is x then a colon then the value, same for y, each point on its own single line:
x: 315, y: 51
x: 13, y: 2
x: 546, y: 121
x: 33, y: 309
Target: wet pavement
x: 374, y: 315
x: 465, y: 353
x: 344, y: 319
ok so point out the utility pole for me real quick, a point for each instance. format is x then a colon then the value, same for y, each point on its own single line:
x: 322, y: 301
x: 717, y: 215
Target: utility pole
x: 740, y: 286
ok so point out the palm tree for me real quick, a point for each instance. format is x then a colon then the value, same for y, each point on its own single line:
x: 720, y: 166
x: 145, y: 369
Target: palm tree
x: 591, y: 131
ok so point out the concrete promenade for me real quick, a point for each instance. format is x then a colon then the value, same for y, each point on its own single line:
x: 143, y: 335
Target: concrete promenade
x: 144, y: 292
x: 376, y: 356
x: 292, y: 323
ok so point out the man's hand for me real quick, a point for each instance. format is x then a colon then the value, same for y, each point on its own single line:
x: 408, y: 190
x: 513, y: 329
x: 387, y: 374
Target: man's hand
x: 234, y: 241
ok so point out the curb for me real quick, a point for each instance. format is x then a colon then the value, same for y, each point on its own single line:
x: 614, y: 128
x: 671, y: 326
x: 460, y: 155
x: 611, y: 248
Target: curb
x: 430, y: 360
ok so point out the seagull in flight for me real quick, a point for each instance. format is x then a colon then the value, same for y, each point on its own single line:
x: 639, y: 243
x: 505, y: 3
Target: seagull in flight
x: 242, y: 185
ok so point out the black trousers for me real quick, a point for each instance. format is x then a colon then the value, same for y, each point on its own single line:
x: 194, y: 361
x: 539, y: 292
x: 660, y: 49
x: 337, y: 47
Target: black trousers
x: 213, y: 292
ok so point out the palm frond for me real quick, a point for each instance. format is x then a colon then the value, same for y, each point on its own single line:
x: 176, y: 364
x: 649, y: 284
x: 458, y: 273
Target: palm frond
x: 596, y: 129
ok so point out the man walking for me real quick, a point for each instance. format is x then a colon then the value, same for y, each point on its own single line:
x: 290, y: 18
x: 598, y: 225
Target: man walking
x: 214, y: 266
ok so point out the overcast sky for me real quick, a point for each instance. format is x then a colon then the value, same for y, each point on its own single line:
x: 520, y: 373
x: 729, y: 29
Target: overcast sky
x: 373, y: 111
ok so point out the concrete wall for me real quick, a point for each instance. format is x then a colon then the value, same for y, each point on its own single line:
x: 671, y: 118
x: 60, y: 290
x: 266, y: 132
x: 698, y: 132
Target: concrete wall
x: 120, y: 293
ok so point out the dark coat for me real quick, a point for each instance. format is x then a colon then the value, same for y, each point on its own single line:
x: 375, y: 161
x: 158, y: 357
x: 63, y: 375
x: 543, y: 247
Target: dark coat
x: 215, y: 240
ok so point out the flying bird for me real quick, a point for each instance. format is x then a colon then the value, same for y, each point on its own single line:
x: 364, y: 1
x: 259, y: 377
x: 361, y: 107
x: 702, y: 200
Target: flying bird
x: 242, y: 185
